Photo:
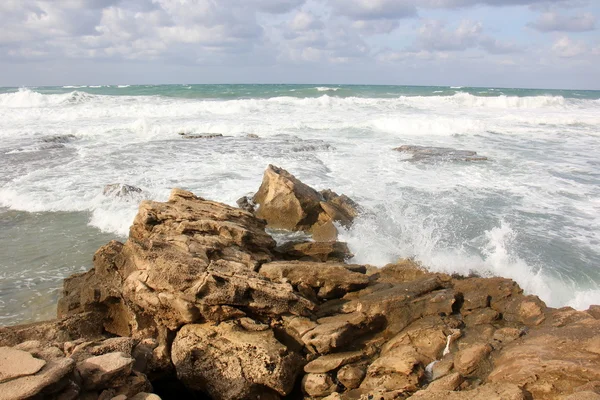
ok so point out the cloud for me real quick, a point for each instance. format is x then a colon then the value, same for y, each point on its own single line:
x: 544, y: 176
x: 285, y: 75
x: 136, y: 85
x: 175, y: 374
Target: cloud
x: 364, y: 10
x: 555, y: 22
x: 434, y: 35
x: 565, y: 47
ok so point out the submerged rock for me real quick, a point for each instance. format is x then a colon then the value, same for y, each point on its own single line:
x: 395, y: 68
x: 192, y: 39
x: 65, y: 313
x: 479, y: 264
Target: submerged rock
x: 426, y: 153
x: 120, y: 190
x: 186, y: 135
x: 59, y: 138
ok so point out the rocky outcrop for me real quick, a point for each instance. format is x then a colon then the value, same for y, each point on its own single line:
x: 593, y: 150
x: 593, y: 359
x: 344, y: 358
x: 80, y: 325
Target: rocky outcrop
x: 287, y: 203
x: 199, y: 301
x: 426, y: 153
x: 121, y: 190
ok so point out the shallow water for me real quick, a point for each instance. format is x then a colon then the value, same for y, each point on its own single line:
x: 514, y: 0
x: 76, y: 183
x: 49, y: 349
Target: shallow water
x: 531, y: 212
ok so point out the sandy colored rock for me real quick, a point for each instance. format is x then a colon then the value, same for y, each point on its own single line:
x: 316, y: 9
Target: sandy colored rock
x: 108, y: 370
x: 318, y: 385
x: 587, y: 395
x: 230, y: 363
x: 400, y: 369
x: 333, y: 361
x: 401, y: 271
x: 17, y: 363
x: 145, y: 396
x: 449, y: 382
x: 315, y: 251
x: 351, y: 376
x: 28, y: 386
x: 467, y: 360
x: 505, y: 391
x: 287, y: 203
x: 551, y: 361
x: 329, y: 280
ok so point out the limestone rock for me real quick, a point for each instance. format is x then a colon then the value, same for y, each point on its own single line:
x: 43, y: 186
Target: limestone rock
x: 329, y: 280
x: 315, y: 251
x: 551, y: 361
x: 467, y: 360
x: 229, y: 362
x: 504, y: 391
x: 17, y: 363
x: 108, y: 370
x: 400, y: 369
x: 318, y: 385
x: 333, y: 361
x: 351, y: 376
x: 27, y: 386
x: 449, y: 382
x: 121, y: 190
x: 287, y: 203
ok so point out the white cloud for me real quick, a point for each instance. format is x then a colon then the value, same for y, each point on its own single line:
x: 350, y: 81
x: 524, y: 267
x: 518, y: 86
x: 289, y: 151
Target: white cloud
x: 554, y: 21
x: 567, y: 48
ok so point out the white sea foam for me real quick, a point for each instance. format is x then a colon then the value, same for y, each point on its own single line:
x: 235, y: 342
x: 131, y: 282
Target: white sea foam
x: 327, y: 89
x: 501, y: 217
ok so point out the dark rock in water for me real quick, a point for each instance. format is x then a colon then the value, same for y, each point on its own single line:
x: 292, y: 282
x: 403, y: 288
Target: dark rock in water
x: 315, y: 251
x: 246, y: 203
x: 312, y: 147
x: 58, y: 139
x: 427, y: 153
x: 120, y: 190
x: 200, y: 136
x: 252, y: 136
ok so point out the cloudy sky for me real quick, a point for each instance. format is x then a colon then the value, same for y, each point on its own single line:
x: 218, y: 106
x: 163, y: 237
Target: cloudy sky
x: 514, y: 43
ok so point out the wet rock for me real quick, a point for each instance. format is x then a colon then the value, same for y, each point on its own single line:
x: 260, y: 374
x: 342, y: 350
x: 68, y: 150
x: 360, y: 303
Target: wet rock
x: 287, y: 203
x: 252, y: 136
x: 59, y: 138
x: 426, y: 153
x: 120, y: 190
x: 186, y: 135
x: 17, y: 363
x: 229, y: 362
x: 246, y: 204
x: 449, y: 382
x: 315, y: 251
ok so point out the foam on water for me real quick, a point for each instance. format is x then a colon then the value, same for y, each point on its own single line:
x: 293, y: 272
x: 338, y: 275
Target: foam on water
x: 530, y: 213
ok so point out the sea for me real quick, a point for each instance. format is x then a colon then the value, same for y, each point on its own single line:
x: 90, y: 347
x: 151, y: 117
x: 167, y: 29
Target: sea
x: 530, y: 212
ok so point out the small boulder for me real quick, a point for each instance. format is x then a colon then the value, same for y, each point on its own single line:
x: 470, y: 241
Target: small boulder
x: 318, y: 385
x: 351, y: 376
x: 426, y: 153
x: 121, y: 190
x: 108, y: 370
x: 17, y: 363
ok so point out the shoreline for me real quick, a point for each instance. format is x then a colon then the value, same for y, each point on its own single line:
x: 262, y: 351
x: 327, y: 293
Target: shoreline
x: 200, y: 299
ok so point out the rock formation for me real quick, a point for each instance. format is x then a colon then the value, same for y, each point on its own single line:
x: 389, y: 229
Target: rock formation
x: 200, y: 302
x: 287, y: 203
x: 426, y: 153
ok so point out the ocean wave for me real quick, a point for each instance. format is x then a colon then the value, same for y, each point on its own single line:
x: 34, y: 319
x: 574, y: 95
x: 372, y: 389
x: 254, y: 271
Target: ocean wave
x: 27, y: 98
x: 327, y: 89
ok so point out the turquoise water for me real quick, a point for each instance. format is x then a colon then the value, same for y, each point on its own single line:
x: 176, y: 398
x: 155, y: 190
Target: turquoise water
x: 301, y: 91
x: 531, y: 212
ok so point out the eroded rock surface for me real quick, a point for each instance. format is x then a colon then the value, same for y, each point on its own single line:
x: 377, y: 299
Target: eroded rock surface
x: 199, y: 301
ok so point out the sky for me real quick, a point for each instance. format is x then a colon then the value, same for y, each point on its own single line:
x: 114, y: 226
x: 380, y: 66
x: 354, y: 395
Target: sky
x: 504, y: 43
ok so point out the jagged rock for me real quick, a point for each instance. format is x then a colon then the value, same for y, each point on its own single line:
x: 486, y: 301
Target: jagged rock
x: 551, y: 361
x: 50, y: 376
x: 186, y: 135
x: 86, y: 350
x: 17, y: 363
x: 468, y: 359
x: 329, y: 280
x: 108, y: 370
x: 449, y: 382
x: 315, y: 251
x: 426, y: 153
x: 120, y: 190
x: 59, y: 138
x: 337, y: 331
x: 504, y: 391
x: 351, y: 376
x: 287, y: 203
x: 229, y: 362
x: 399, y: 369
x: 246, y: 204
x: 318, y: 385
x: 331, y: 362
